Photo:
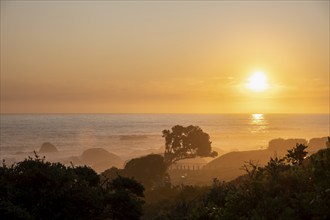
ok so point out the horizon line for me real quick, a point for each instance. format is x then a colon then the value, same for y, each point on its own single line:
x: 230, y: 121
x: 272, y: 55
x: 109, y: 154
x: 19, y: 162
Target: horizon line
x: 159, y: 113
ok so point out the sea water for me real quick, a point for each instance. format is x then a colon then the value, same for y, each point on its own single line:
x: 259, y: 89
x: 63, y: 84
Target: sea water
x: 126, y: 134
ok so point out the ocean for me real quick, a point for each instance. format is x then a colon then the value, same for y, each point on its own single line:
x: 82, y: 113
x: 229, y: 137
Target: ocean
x: 131, y: 134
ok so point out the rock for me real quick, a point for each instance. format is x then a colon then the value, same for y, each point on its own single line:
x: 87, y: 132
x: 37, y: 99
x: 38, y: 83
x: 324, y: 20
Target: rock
x: 100, y: 159
x: 316, y: 144
x: 47, y: 148
x: 282, y: 145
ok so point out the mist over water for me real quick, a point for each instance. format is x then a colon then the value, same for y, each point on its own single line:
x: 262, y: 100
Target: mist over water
x: 127, y: 134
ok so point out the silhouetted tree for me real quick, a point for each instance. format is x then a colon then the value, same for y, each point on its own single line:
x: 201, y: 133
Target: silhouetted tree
x: 124, y: 199
x: 275, y: 166
x: 110, y: 174
x: 150, y: 170
x: 51, y: 190
x: 37, y: 189
x: 275, y: 191
x: 186, y: 142
x: 250, y: 167
x: 297, y: 155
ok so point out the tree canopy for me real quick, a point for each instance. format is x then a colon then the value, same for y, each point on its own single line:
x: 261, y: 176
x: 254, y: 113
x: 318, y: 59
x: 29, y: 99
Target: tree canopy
x: 297, y: 155
x: 186, y: 142
x: 150, y: 171
x: 282, y: 189
x: 37, y: 189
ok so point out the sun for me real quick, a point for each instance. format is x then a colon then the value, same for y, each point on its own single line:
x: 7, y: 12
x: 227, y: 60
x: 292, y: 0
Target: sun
x: 257, y: 82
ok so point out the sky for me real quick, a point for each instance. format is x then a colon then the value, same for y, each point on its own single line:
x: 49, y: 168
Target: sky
x: 164, y: 56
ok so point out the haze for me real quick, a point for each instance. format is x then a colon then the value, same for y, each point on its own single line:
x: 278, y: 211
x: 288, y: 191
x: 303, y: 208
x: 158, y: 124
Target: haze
x: 164, y: 57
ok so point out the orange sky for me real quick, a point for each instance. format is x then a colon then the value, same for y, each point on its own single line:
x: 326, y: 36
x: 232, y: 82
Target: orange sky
x: 163, y: 57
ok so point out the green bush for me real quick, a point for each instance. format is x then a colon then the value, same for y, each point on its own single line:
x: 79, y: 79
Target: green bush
x: 37, y: 189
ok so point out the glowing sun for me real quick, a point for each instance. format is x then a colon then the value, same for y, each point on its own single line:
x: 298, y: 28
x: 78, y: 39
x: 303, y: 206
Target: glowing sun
x: 257, y: 82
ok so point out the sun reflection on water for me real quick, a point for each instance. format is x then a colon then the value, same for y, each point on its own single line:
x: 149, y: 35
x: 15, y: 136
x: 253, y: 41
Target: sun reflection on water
x: 258, y: 123
x: 257, y: 118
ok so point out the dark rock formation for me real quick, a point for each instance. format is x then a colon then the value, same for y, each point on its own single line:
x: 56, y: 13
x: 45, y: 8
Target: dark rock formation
x: 100, y: 159
x: 47, y: 148
x: 282, y: 145
x: 316, y: 144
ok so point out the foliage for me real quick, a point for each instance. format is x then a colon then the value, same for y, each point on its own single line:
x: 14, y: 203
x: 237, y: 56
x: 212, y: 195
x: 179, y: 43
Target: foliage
x: 175, y: 202
x: 124, y: 199
x: 186, y: 142
x: 110, y: 174
x: 297, y: 154
x: 149, y: 170
x: 294, y: 187
x: 37, y: 189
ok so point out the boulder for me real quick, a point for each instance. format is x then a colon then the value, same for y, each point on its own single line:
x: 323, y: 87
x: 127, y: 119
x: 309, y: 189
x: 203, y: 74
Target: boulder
x: 47, y: 148
x: 100, y: 159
